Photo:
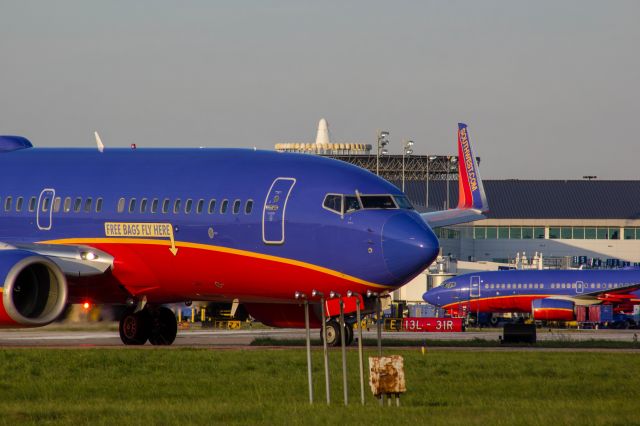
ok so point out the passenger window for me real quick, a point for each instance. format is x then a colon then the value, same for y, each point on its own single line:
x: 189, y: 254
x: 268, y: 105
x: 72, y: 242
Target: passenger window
x: 7, y: 204
x: 98, y: 205
x: 32, y: 204
x: 154, y: 205
x: 87, y: 205
x: 143, y: 205
x: 56, y: 204
x: 19, y: 203
x: 176, y: 206
x: 248, y: 207
x: 200, y: 206
x: 132, y: 205
x: 120, y: 205
x: 165, y: 205
x: 67, y: 205
x: 188, y: 205
x: 77, y: 204
x: 212, y: 206
x: 45, y: 204
x: 236, y: 207
x: 223, y: 206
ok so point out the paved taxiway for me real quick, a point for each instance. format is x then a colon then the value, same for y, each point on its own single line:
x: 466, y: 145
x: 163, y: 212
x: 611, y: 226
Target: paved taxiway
x: 240, y: 338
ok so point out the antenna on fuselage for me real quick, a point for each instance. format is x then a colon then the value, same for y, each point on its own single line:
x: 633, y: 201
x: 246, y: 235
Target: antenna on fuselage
x: 99, y: 142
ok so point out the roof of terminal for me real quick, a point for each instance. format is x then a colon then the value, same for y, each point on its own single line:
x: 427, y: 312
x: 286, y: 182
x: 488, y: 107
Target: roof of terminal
x: 542, y: 199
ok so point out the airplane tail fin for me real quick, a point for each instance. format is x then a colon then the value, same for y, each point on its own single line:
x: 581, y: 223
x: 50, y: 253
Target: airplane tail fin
x: 472, y: 201
x: 471, y: 191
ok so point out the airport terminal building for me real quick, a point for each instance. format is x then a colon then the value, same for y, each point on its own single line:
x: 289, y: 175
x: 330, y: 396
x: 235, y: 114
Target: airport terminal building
x: 586, y: 219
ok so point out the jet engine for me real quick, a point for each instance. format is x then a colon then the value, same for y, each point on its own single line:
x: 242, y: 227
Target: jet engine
x: 34, y: 289
x: 553, y: 310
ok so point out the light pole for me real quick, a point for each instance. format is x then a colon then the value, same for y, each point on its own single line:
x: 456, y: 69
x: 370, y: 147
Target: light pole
x: 429, y: 159
x: 452, y: 159
x: 383, y: 140
x: 334, y: 295
x: 359, y: 320
x: 319, y: 294
x: 298, y: 296
x: 408, y: 150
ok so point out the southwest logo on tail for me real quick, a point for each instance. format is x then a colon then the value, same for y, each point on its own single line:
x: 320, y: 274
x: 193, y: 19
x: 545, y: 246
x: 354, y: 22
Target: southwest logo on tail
x: 470, y: 185
x: 472, y: 201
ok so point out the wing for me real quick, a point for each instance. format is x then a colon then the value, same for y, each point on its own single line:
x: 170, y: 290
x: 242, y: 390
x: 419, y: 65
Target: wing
x: 472, y: 200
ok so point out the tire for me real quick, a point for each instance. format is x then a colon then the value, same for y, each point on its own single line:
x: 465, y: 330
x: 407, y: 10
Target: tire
x: 333, y: 333
x: 135, y: 328
x: 348, y: 334
x: 164, y: 327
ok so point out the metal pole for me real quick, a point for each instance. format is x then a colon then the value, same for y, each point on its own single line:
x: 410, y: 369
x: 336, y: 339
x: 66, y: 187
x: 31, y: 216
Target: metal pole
x: 344, y: 353
x: 359, y: 319
x: 404, y: 152
x: 378, y: 155
x: 306, y: 324
x: 448, y: 167
x: 379, y: 317
x: 427, y: 203
x: 326, y: 352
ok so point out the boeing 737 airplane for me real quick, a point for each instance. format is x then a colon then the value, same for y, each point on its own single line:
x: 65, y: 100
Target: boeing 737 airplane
x: 148, y: 227
x: 547, y: 294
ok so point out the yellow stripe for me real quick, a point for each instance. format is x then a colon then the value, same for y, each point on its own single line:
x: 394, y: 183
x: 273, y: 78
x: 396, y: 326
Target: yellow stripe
x: 219, y: 249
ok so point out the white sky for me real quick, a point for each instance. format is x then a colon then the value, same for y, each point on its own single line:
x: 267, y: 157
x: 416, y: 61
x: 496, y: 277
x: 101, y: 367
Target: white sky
x: 549, y: 88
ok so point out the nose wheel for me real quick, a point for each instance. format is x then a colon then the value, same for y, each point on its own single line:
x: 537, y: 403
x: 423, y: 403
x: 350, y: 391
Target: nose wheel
x: 333, y: 333
x: 157, y: 325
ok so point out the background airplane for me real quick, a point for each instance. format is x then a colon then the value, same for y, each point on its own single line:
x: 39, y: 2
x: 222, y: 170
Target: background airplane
x: 546, y: 294
x: 147, y: 227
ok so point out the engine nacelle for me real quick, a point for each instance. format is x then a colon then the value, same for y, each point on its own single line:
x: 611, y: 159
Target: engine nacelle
x: 553, y: 310
x: 34, y: 289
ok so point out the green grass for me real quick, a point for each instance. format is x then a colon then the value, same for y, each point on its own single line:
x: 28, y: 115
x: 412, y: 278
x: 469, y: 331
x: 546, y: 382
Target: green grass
x: 201, y: 386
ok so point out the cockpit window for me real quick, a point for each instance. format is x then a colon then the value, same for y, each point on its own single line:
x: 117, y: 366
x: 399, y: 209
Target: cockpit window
x: 333, y: 202
x: 341, y: 204
x: 450, y: 284
x: 351, y: 203
x: 403, y: 202
x: 377, y: 202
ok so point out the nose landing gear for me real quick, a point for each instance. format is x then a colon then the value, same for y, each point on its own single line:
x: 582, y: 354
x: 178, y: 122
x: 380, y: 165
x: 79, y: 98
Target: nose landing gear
x: 157, y: 325
x: 333, y: 333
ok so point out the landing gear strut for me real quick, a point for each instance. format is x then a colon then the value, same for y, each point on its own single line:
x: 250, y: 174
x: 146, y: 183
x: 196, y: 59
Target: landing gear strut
x: 158, y: 325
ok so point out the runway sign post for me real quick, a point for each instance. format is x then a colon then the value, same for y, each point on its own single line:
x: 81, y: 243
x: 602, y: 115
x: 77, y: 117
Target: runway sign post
x: 386, y: 377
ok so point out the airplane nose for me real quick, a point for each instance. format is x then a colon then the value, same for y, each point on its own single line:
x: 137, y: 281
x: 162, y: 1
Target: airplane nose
x: 408, y: 245
x: 432, y: 297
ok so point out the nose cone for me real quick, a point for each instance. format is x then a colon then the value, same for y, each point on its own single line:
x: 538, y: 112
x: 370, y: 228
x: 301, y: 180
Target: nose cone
x: 408, y: 246
x: 432, y: 297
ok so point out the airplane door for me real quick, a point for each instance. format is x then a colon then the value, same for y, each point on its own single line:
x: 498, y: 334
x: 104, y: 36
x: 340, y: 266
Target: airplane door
x: 273, y: 214
x: 579, y: 287
x: 474, y: 287
x: 44, y: 211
